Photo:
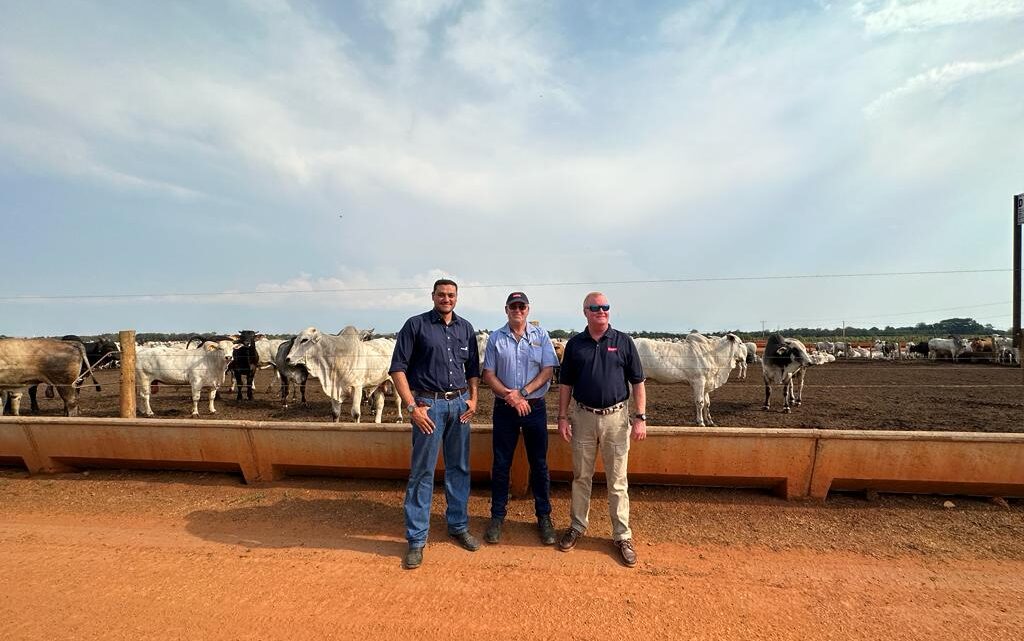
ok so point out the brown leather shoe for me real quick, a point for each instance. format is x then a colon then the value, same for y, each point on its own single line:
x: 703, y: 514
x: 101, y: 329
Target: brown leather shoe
x: 569, y: 539
x: 626, y: 552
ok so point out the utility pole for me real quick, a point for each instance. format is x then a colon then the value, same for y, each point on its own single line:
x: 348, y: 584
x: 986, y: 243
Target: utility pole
x: 1018, y: 221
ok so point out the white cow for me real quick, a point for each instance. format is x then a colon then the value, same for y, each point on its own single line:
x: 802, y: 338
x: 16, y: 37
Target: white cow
x: 345, y: 365
x: 752, y: 352
x: 12, y: 395
x: 198, y: 368
x: 481, y: 345
x: 702, y: 363
x: 943, y: 346
x: 266, y: 348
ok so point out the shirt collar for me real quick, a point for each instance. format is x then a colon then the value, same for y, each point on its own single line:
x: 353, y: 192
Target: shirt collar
x: 610, y: 335
x: 435, y: 317
x: 530, y: 330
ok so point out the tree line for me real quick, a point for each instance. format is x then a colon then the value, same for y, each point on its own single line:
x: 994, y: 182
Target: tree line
x: 947, y: 327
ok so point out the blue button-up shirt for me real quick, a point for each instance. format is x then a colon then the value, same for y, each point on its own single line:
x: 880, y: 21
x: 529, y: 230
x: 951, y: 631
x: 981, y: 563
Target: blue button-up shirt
x: 436, y: 357
x: 517, y: 362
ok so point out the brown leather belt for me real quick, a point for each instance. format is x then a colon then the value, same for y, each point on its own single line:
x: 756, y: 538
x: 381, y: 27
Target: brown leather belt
x: 602, y: 411
x: 455, y: 393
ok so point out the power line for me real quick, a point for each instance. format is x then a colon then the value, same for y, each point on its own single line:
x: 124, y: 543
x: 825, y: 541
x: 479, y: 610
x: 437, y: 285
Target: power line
x: 894, y: 314
x: 353, y: 290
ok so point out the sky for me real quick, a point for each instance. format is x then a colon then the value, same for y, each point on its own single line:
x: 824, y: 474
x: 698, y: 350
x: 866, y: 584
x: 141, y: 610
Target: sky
x: 710, y: 165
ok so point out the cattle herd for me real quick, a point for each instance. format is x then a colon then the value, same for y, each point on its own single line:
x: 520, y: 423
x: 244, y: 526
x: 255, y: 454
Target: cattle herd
x: 352, y: 363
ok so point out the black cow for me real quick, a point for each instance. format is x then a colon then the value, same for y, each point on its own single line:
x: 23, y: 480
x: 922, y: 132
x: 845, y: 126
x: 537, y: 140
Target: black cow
x: 245, y: 361
x: 784, y: 359
x: 288, y: 373
x: 918, y: 348
x: 216, y: 338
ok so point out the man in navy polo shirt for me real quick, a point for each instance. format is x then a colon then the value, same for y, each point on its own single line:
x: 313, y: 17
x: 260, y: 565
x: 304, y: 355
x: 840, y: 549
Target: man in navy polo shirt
x: 518, y: 362
x: 599, y: 367
x: 436, y: 367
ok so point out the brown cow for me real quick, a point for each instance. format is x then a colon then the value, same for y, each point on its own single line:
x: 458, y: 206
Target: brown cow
x: 30, y: 361
x: 983, y: 345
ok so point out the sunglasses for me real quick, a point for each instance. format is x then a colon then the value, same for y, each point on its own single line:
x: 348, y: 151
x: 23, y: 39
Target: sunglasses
x: 517, y: 306
x: 599, y: 308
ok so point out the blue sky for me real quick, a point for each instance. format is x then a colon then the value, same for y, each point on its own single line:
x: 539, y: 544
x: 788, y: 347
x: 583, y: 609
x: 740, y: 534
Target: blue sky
x: 368, y: 148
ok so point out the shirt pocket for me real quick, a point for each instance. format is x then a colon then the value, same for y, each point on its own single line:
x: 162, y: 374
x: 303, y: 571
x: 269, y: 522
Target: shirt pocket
x: 536, y: 354
x: 461, y: 352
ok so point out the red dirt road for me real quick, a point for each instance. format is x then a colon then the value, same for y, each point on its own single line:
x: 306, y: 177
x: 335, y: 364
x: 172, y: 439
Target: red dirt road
x: 115, y: 555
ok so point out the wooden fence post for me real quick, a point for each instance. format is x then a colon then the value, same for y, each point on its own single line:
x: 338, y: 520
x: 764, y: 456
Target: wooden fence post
x: 127, y: 339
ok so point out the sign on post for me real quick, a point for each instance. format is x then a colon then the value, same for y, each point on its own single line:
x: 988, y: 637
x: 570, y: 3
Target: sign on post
x: 1019, y: 204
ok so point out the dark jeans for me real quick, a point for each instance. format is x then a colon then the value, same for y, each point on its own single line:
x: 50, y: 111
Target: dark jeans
x: 507, y: 424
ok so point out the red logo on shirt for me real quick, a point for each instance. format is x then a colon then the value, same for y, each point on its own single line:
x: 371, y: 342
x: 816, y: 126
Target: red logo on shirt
x: 613, y: 349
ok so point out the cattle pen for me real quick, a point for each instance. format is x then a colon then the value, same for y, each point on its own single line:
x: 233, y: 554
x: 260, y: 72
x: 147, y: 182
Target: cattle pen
x: 904, y: 426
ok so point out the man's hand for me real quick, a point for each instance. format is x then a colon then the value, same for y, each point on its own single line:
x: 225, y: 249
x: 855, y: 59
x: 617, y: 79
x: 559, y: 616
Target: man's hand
x: 470, y: 411
x: 421, y: 419
x: 523, y: 407
x: 565, y: 429
x: 639, y: 429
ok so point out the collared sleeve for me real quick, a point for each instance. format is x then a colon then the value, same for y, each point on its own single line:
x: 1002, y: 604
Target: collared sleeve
x: 473, y: 362
x: 405, y: 341
x: 548, y: 359
x: 491, y: 352
x: 634, y: 368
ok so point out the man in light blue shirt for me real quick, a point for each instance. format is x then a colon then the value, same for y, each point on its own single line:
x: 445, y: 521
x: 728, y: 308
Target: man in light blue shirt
x: 518, y: 363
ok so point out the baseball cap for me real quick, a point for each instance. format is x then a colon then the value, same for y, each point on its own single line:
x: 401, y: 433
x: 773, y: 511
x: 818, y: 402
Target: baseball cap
x: 517, y: 297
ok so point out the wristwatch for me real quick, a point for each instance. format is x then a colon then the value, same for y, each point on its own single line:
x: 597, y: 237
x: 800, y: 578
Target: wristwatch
x: 411, y: 407
x: 522, y: 391
x: 641, y: 416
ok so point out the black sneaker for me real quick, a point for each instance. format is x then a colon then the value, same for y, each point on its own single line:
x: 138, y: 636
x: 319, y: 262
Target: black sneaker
x: 546, y: 529
x: 569, y: 539
x: 466, y: 540
x: 413, y: 558
x: 493, y: 532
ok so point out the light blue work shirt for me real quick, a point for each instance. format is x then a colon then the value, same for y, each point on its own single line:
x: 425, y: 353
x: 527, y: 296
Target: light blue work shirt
x: 516, y: 363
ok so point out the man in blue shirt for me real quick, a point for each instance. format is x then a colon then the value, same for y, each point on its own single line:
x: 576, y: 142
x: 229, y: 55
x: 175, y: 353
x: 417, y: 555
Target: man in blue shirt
x: 518, y: 362
x: 599, y: 368
x: 436, y: 368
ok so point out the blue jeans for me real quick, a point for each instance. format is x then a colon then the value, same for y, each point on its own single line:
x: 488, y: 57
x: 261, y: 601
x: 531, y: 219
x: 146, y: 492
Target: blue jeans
x: 452, y: 437
x: 507, y: 423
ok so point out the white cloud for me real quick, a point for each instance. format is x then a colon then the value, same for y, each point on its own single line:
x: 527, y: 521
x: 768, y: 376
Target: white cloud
x: 506, y: 47
x: 940, y: 79
x: 883, y: 17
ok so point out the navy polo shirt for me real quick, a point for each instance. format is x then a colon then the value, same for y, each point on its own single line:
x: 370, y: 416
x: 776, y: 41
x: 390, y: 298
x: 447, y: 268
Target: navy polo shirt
x: 436, y: 357
x: 600, y: 372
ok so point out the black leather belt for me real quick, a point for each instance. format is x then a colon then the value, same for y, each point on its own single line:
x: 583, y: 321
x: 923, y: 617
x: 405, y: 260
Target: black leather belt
x: 455, y: 393
x: 602, y: 411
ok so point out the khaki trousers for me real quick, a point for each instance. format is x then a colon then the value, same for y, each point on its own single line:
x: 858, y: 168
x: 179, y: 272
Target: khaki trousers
x: 610, y: 435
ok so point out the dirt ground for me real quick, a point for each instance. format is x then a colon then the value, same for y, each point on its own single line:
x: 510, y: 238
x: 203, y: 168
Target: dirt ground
x: 854, y: 394
x: 143, y: 555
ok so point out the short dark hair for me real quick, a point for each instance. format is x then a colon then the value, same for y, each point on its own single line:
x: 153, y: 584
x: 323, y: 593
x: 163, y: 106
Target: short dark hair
x: 444, y: 281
